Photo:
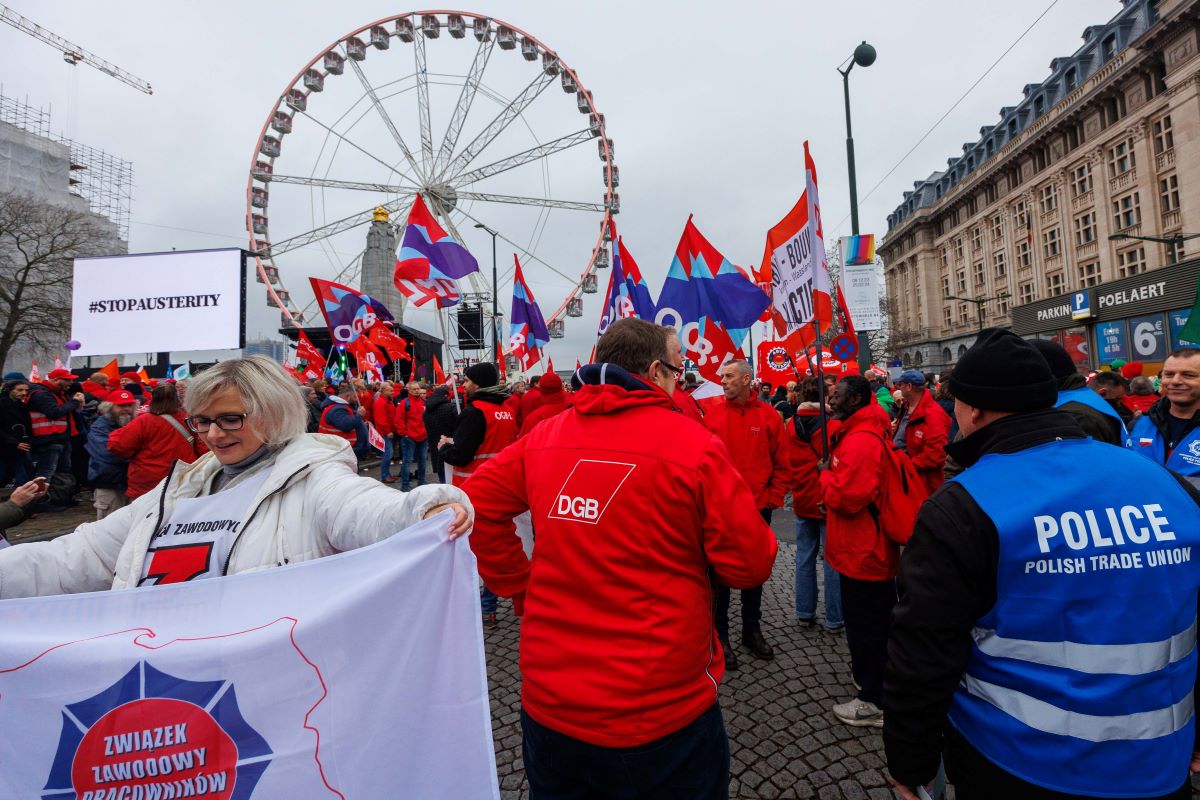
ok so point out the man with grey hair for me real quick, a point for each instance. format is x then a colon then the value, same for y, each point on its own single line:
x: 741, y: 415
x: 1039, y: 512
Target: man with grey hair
x: 753, y: 433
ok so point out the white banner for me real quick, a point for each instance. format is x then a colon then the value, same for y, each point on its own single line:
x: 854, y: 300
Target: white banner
x: 860, y: 286
x: 179, y: 301
x: 358, y: 676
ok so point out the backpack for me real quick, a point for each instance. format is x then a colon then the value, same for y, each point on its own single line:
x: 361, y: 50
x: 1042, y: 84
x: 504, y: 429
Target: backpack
x: 901, y: 495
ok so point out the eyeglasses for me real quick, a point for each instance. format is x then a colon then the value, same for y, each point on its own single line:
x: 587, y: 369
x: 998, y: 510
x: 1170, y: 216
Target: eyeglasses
x: 677, y: 370
x: 226, y: 422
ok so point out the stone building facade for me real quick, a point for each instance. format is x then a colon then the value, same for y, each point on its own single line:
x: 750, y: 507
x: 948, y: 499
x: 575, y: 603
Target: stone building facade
x: 1108, y: 144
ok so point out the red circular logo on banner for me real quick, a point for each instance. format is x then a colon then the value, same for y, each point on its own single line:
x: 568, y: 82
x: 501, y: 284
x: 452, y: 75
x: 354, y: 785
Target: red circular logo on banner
x: 156, y: 741
x: 777, y: 359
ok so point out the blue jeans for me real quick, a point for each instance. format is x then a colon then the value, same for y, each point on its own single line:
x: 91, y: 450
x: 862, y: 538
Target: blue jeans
x: 487, y: 601
x: 411, y: 451
x: 810, y: 537
x: 691, y: 763
x: 385, y: 465
x: 51, y: 458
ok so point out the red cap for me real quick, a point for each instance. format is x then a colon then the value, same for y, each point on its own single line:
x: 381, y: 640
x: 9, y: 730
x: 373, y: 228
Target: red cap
x: 131, y: 376
x: 120, y: 398
x: 61, y: 374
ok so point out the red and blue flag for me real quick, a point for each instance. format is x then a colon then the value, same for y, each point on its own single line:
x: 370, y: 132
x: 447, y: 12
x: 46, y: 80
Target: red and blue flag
x: 628, y: 294
x: 528, y: 334
x: 348, y: 312
x: 430, y: 261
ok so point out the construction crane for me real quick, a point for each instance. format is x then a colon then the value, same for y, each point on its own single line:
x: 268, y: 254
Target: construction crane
x: 71, y: 53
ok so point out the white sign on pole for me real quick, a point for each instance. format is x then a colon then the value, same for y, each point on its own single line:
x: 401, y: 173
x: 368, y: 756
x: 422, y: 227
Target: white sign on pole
x: 860, y: 285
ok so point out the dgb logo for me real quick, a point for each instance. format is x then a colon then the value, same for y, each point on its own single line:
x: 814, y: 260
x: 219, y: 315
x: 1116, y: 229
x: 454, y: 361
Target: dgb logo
x: 589, y: 490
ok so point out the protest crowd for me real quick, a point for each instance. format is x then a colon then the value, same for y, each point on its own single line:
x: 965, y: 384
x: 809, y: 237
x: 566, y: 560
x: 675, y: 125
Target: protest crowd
x: 1050, y: 659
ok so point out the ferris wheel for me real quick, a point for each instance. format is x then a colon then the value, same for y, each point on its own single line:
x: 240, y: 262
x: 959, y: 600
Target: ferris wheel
x: 492, y: 136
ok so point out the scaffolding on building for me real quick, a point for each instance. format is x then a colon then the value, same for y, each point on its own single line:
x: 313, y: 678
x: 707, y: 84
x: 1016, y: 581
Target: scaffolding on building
x: 100, y: 178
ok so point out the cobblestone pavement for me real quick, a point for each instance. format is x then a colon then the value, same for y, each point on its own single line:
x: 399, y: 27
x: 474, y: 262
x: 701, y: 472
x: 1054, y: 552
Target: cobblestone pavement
x: 784, y: 741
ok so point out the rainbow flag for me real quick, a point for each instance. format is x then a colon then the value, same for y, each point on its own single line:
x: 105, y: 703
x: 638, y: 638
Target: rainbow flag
x: 858, y: 250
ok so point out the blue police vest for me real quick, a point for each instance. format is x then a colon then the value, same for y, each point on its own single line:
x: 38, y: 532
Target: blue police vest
x: 1081, y: 676
x: 1145, y: 439
x: 1089, y: 398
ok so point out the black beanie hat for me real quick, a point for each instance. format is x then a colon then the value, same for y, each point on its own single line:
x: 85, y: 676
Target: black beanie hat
x: 1061, y: 365
x: 1003, y: 372
x: 483, y: 374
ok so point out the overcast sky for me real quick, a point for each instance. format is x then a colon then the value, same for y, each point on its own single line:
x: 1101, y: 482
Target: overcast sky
x: 707, y: 109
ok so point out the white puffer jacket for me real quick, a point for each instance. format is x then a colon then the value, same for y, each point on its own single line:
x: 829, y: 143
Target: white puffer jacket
x: 312, y: 504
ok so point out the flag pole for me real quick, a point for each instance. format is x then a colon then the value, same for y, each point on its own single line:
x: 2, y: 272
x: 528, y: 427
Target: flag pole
x: 821, y: 388
x: 450, y: 360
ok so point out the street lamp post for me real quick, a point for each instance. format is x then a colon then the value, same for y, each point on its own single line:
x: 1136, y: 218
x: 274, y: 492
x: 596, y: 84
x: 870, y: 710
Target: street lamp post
x: 495, y: 314
x: 1176, y: 241
x: 979, y: 302
x: 864, y: 55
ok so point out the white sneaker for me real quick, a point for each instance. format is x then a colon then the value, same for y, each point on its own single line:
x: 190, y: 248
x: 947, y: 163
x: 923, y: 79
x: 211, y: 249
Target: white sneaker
x: 859, y: 713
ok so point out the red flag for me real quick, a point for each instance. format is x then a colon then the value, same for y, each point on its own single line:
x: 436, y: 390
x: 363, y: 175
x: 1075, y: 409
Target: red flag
x: 502, y: 367
x: 549, y: 364
x: 307, y: 351
x: 709, y: 362
x: 113, y: 371
x: 438, y: 375
x: 367, y: 357
x: 843, y: 314
x: 142, y: 374
x: 578, y: 366
x: 395, y: 346
x: 375, y: 438
x: 290, y: 370
x: 774, y: 363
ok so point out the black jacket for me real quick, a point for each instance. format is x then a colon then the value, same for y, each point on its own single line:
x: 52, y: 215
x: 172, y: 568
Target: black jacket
x: 948, y: 581
x: 1096, y: 424
x: 15, y: 426
x: 470, y: 429
x: 441, y: 417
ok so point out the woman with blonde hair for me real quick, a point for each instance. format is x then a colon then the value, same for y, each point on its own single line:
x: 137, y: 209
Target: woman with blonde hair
x: 266, y: 494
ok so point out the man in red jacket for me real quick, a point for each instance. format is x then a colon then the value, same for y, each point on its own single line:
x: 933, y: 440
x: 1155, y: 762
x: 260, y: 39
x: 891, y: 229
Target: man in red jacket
x: 554, y: 401
x: 753, y: 433
x: 923, y: 430
x: 414, y: 441
x: 633, y: 504
x: 866, y: 560
x: 382, y: 414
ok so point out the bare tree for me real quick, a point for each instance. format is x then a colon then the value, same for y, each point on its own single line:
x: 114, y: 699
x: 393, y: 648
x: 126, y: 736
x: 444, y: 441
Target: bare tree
x: 38, y: 242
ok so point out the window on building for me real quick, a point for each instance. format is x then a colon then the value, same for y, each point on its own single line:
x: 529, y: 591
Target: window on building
x: 1039, y: 106
x: 971, y: 208
x: 998, y: 226
x: 1073, y: 137
x: 958, y: 248
x: 947, y: 316
x: 945, y: 286
x: 1081, y: 179
x: 989, y: 192
x: 1049, y: 199
x: 1164, y: 136
x: 1127, y: 211
x: 980, y: 274
x: 964, y: 316
x: 1024, y: 256
x: 1019, y: 215
x: 961, y: 279
x: 1050, y: 242
x: 1174, y: 251
x: 1108, y: 47
x: 1003, y: 304
x: 1040, y: 159
x: 1085, y: 228
x: 1168, y: 192
x: 977, y: 240
x: 1112, y: 110
x: 1089, y: 274
x: 1026, y: 292
x: 1120, y: 158
x: 1054, y: 284
x: 1131, y: 262
x: 945, y: 257
x: 998, y: 266
x: 1072, y: 78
